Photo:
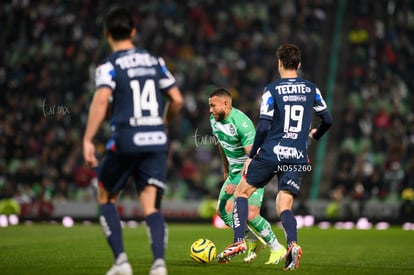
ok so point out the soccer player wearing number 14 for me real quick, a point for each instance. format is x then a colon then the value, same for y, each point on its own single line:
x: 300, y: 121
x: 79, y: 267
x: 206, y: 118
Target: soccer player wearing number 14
x: 135, y: 83
x: 281, y: 139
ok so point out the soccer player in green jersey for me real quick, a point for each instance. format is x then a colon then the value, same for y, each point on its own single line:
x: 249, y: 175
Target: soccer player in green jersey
x: 235, y: 133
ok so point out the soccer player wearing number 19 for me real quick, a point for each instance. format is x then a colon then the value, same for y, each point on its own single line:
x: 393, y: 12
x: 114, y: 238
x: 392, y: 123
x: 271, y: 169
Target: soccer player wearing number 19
x: 134, y: 83
x: 281, y: 135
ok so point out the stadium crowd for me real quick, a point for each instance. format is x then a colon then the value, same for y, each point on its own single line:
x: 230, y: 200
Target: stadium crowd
x: 376, y: 160
x: 50, y: 49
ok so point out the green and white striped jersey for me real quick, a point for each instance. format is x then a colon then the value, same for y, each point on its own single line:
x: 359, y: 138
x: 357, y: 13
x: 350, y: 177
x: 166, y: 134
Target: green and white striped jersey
x: 234, y: 133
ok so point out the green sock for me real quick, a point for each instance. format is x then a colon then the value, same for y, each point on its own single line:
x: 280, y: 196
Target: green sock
x: 263, y: 227
x: 226, y: 217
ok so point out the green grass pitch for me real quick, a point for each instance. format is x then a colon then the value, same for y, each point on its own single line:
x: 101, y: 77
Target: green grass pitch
x: 54, y: 249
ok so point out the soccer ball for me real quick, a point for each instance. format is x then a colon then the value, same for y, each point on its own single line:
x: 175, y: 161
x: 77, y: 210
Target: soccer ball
x: 203, y: 251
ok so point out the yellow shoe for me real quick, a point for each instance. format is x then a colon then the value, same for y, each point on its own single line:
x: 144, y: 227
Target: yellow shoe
x: 276, y: 255
x: 251, y: 251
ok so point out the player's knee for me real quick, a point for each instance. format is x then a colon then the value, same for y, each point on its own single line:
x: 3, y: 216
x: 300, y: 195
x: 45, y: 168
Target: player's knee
x: 251, y: 216
x: 229, y: 208
x: 241, y: 193
x: 244, y: 190
x: 104, y: 197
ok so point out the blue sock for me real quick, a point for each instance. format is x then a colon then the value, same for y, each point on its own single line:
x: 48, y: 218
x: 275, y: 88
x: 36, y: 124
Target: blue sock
x: 240, y: 213
x: 289, y: 224
x: 111, y: 226
x: 157, y: 234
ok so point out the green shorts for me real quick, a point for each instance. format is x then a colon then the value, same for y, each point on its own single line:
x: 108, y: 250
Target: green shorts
x: 255, y: 199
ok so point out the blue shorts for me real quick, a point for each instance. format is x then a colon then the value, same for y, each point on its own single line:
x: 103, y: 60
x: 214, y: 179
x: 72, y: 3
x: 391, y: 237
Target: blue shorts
x: 261, y: 171
x: 255, y: 199
x: 146, y: 169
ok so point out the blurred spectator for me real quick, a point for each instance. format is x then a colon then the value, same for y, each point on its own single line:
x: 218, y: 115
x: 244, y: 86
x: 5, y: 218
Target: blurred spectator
x: 49, y: 48
x: 381, y: 43
x: 83, y: 175
x: 407, y: 206
x: 374, y: 184
x: 191, y: 176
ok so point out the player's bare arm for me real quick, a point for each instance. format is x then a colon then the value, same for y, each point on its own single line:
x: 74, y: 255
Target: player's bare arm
x: 97, y: 114
x: 312, y: 132
x: 224, y: 163
x: 174, y: 104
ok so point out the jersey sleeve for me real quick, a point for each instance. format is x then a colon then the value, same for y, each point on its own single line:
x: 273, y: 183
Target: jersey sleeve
x: 104, y: 76
x: 319, y: 104
x: 167, y: 80
x: 246, y: 131
x: 267, y: 107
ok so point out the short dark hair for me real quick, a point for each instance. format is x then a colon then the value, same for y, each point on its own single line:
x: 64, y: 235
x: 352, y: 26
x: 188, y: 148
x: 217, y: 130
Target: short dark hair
x: 119, y: 23
x: 289, y: 55
x: 220, y: 92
